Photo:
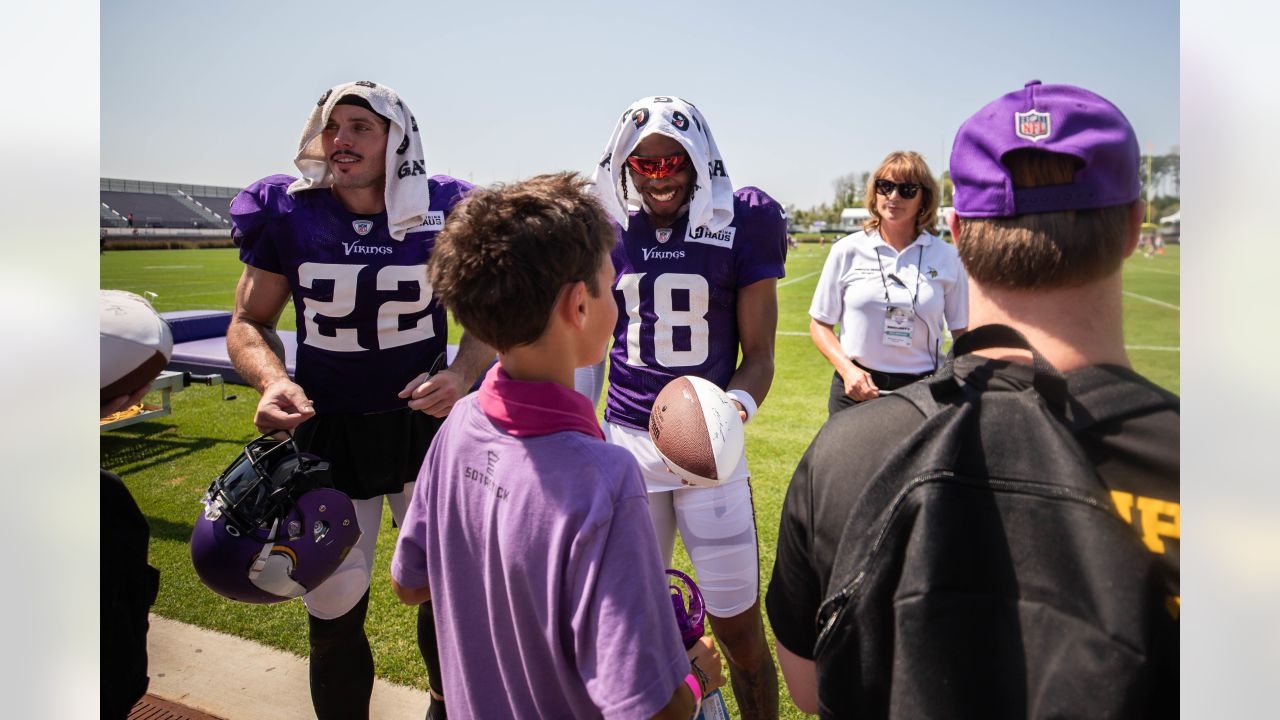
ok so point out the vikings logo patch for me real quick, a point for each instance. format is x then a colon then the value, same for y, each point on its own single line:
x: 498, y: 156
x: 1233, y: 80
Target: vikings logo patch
x: 362, y: 227
x: 1032, y: 125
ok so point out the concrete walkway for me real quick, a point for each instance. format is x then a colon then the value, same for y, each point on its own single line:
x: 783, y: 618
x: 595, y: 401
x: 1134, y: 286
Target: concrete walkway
x: 237, y: 679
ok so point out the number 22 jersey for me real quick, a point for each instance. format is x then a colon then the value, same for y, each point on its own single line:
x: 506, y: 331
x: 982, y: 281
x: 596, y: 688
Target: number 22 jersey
x: 677, y: 291
x: 367, y: 320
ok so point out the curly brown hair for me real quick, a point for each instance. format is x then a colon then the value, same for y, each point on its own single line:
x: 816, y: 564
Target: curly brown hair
x: 506, y: 251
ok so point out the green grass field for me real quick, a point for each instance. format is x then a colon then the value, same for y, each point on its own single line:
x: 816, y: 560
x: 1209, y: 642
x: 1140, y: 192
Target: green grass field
x: 168, y: 464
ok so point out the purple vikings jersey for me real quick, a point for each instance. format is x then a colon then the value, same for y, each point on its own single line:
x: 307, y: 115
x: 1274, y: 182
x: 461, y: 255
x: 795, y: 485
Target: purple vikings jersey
x: 367, y: 320
x: 677, y: 295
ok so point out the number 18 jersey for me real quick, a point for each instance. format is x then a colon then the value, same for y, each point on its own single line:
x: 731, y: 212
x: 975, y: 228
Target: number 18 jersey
x: 677, y: 291
x: 367, y: 320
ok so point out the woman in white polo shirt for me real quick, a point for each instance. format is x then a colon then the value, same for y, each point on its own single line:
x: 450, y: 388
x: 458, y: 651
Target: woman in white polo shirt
x: 889, y: 288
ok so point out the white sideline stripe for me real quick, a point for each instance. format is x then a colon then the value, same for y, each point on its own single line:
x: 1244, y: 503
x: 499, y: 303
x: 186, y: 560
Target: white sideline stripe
x: 171, y: 267
x: 1137, y: 268
x: 181, y: 296
x: 1152, y: 300
x: 1155, y: 348
x: 1126, y: 292
x: 785, y: 283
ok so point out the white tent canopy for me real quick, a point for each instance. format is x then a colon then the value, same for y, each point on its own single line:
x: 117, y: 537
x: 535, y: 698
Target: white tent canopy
x: 852, y: 217
x: 1174, y: 218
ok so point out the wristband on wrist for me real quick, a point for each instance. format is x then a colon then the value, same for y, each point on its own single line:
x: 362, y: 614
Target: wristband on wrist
x: 748, y: 402
x: 704, y: 682
x: 692, y: 682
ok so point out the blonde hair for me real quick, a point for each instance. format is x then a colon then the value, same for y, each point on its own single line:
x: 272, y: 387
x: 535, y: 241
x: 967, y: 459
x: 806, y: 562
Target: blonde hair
x: 906, y: 166
x: 1043, y: 250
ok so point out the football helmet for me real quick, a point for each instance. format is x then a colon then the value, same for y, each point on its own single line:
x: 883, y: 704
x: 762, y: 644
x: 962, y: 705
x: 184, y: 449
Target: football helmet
x: 273, y: 527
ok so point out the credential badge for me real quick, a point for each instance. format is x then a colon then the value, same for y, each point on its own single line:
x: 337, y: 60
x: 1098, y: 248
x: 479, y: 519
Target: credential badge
x: 1032, y: 125
x: 362, y: 227
x: 664, y: 234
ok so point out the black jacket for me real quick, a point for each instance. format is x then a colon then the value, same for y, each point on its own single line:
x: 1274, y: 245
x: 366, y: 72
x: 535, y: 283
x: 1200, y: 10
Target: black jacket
x: 978, y: 566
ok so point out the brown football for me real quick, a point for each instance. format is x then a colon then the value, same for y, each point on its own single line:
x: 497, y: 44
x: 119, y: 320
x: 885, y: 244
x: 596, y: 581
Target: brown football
x: 696, y: 429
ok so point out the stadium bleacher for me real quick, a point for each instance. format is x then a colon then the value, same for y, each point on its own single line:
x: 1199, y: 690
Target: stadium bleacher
x: 219, y: 205
x: 151, y: 210
x: 164, y: 205
x: 111, y: 218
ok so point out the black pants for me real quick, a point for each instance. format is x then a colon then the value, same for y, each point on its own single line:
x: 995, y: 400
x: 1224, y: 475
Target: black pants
x: 373, y: 454
x: 883, y: 380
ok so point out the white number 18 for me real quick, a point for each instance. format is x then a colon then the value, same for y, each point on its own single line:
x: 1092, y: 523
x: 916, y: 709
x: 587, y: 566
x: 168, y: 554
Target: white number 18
x: 668, y: 318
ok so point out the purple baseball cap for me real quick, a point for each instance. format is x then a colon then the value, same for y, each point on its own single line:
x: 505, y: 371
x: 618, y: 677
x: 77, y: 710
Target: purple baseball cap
x: 1055, y: 118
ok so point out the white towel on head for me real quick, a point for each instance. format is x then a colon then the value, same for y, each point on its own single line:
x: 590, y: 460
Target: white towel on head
x: 680, y: 120
x: 406, y: 195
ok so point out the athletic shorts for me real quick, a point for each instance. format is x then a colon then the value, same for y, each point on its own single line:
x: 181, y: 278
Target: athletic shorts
x: 716, y: 524
x: 373, y: 454
x: 344, y: 588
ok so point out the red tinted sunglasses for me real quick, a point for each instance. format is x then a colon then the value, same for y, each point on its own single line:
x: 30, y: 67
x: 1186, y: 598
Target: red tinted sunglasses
x: 657, y: 167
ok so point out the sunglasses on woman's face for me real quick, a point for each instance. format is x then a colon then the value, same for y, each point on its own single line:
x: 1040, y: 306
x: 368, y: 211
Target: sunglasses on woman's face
x: 906, y: 191
x: 656, y: 168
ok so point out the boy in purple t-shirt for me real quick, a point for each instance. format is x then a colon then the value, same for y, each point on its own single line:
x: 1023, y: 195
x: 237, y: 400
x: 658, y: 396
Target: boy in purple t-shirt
x: 529, y: 533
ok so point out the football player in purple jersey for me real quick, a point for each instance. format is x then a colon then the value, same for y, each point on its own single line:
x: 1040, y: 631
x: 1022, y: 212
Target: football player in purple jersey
x: 697, y: 265
x: 349, y: 242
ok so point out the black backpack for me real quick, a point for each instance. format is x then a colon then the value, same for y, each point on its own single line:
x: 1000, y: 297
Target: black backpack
x: 986, y: 573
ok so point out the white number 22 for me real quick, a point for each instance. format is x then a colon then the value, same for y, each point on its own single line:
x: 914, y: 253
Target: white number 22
x: 343, y: 303
x: 668, y: 318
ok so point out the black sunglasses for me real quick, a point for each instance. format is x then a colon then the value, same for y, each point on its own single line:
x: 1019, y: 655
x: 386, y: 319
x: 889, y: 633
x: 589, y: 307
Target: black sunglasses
x: 906, y: 191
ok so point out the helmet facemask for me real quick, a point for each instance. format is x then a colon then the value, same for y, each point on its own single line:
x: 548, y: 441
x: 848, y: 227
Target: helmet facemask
x: 272, y: 525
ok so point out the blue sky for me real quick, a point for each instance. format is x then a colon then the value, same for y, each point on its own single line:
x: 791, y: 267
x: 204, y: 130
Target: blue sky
x: 797, y: 93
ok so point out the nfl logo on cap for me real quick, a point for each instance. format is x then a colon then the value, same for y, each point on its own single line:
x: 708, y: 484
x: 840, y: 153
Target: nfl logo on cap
x: 1061, y: 119
x: 1032, y: 125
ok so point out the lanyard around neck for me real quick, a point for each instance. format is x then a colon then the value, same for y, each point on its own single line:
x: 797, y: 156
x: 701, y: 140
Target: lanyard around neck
x: 937, y: 349
x: 885, y: 283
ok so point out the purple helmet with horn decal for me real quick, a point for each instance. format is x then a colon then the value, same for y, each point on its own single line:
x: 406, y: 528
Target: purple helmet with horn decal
x: 272, y: 527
